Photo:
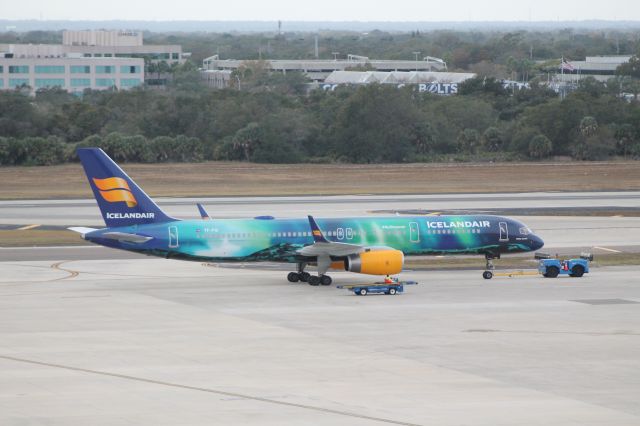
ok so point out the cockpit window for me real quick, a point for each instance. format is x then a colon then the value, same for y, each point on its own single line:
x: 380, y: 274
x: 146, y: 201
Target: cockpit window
x: 525, y: 231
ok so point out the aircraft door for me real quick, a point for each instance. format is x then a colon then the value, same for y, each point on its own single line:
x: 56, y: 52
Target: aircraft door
x: 414, y: 232
x: 173, y: 237
x: 504, y: 231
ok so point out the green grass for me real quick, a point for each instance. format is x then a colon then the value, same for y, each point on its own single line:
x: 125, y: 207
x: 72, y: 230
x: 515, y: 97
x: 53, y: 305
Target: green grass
x: 230, y: 179
x: 35, y: 237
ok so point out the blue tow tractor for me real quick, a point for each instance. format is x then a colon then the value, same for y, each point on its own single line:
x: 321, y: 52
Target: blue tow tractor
x: 552, y: 267
x: 378, y: 288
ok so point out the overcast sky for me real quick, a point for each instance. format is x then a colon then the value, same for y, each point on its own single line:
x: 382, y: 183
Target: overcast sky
x: 326, y: 10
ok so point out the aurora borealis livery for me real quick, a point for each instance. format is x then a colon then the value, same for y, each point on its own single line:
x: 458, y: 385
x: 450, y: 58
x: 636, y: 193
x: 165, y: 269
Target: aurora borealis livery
x: 375, y: 245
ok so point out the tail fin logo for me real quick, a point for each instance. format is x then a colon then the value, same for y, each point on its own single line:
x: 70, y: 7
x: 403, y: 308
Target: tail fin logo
x: 115, y: 189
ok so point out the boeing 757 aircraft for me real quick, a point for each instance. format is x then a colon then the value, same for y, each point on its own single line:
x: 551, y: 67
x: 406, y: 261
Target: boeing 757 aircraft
x: 365, y: 245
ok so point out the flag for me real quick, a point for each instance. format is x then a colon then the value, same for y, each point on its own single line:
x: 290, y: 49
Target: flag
x: 566, y: 65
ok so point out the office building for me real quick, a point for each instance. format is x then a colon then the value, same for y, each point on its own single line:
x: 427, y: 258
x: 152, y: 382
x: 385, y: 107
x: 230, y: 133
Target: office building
x: 71, y: 74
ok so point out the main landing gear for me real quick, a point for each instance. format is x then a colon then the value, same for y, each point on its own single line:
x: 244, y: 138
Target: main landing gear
x: 317, y: 280
x: 306, y: 277
x: 488, y: 273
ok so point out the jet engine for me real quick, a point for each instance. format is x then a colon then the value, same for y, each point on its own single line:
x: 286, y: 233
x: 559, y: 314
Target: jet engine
x: 377, y: 262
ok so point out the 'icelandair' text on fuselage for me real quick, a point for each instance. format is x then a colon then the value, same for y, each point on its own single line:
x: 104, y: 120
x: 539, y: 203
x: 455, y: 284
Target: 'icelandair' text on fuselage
x: 460, y: 224
x: 130, y: 215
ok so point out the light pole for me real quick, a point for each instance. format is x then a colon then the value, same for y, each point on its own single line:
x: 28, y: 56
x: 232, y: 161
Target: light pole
x: 416, y: 53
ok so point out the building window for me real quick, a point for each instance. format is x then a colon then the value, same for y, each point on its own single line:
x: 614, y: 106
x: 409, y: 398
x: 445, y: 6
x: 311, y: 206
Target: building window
x: 49, y: 82
x: 105, y: 82
x: 108, y: 55
x: 159, y: 56
x: 49, y: 69
x: 175, y: 56
x: 17, y: 82
x: 18, y: 69
x: 87, y: 55
x: 80, y: 69
x: 129, y: 82
x: 129, y: 69
x: 1, y: 68
x: 1, y: 82
x: 80, y: 82
x: 97, y: 55
x: 105, y: 69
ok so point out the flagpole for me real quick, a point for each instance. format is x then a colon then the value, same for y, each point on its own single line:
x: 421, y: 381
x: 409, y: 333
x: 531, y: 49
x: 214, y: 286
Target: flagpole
x: 562, y: 77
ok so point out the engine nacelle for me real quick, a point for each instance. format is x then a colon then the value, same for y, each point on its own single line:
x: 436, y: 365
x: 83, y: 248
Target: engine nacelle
x: 378, y: 262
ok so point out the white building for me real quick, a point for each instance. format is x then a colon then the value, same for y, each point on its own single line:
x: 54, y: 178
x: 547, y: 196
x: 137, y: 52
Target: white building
x: 99, y: 44
x: 602, y: 68
x: 442, y: 83
x: 71, y: 74
x: 396, y: 77
x: 319, y: 69
x: 217, y: 79
x: 102, y: 38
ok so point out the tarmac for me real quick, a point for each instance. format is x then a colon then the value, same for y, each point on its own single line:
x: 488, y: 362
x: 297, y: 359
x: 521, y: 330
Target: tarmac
x: 95, y: 336
x: 86, y: 213
x: 561, y: 233
x: 134, y: 341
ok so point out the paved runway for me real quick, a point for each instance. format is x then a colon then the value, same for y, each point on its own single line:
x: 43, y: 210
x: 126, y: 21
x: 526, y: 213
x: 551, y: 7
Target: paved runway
x: 85, y: 212
x: 162, y: 342
x: 559, y: 232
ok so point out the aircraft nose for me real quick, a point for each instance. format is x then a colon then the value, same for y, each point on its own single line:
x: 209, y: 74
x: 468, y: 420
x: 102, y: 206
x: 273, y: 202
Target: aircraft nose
x: 536, y: 242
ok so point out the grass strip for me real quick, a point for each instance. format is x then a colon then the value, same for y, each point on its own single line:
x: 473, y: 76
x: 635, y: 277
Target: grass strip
x: 38, y: 237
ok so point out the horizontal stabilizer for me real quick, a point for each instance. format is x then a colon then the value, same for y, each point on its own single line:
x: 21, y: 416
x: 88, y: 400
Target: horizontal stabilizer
x: 81, y: 230
x: 126, y: 237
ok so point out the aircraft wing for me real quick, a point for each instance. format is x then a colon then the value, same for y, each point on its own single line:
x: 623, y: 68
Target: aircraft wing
x: 324, y: 247
x: 331, y: 249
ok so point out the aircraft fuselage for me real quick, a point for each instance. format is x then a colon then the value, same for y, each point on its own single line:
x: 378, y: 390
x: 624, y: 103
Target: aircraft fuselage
x: 278, y: 240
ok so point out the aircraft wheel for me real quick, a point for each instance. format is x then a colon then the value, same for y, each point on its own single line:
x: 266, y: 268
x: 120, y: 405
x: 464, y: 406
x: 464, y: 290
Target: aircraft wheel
x: 392, y: 291
x: 363, y: 292
x: 487, y: 275
x: 325, y: 280
x: 577, y: 271
x: 314, y: 280
x: 304, y: 276
x: 552, y: 272
x: 293, y: 277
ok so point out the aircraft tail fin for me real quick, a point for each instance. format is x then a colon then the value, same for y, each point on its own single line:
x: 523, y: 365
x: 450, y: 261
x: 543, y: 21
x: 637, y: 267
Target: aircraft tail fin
x: 121, y: 201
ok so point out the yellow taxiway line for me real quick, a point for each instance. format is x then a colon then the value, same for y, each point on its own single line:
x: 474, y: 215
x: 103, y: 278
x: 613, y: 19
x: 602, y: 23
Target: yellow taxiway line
x: 26, y: 228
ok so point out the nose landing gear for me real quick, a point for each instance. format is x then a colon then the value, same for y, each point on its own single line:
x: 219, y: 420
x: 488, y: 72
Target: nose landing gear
x: 489, y: 267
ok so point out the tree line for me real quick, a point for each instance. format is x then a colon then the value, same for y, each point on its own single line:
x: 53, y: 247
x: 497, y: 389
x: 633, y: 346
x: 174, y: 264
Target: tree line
x: 271, y: 122
x: 273, y: 119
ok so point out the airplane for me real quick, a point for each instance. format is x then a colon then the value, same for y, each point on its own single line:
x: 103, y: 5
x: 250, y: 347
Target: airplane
x: 365, y: 245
